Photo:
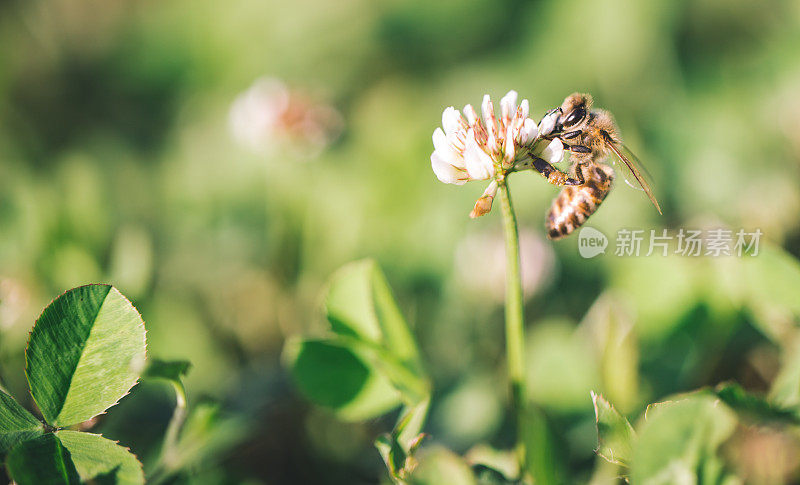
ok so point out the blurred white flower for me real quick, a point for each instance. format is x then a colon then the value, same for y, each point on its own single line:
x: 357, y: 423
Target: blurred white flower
x: 472, y: 147
x: 269, y: 114
x: 480, y: 264
x: 256, y: 113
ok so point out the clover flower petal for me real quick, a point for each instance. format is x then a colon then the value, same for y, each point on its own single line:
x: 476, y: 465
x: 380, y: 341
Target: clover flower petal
x: 446, y: 150
x: 553, y: 152
x: 450, y: 120
x: 508, y: 106
x: 480, y: 165
x: 446, y: 172
x: 528, y: 133
x: 524, y: 109
x: 548, y: 123
x: 472, y: 115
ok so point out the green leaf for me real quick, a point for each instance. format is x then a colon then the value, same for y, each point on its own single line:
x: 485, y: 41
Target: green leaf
x: 615, y: 435
x: 397, y: 449
x: 754, y: 407
x: 611, y: 328
x: 766, y: 285
x: 207, y: 435
x: 409, y: 425
x: 84, y: 354
x: 394, y: 456
x: 340, y: 377
x: 360, y: 303
x: 369, y: 327
x: 397, y: 337
x: 348, y: 304
x: 97, y: 457
x: 170, y: 370
x: 497, y: 467
x: 486, y: 475
x: 16, y: 424
x: 438, y: 466
x: 661, y: 291
x: 557, y: 371
x: 772, y: 278
x: 785, y: 389
x: 43, y: 460
x: 680, y: 440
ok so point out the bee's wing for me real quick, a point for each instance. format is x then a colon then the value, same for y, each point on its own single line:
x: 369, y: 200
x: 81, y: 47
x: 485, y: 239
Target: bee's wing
x: 636, y: 172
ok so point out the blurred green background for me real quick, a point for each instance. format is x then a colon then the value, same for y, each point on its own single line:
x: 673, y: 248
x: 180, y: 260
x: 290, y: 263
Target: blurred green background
x: 139, y: 146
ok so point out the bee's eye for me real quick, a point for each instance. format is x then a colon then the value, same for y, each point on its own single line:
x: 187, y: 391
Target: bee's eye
x: 575, y: 116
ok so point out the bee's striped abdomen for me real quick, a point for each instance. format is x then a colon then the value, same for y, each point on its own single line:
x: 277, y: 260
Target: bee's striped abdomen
x: 574, y: 204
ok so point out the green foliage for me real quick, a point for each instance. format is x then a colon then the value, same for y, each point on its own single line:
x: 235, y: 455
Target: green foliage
x: 361, y: 309
x: 99, y: 339
x: 85, y: 353
x: 551, y: 383
x: 766, y: 287
x: 684, y: 438
x: 207, y: 433
x: 369, y: 365
x: 16, y: 423
x: 753, y: 407
x: 615, y: 435
x: 399, y: 447
x: 95, y: 456
x: 540, y: 446
x: 772, y: 279
x: 786, y: 386
x: 192, y: 437
x: 681, y: 440
x: 170, y: 370
x: 439, y: 465
x: 43, y: 460
x: 394, y: 456
x: 118, y: 165
x: 341, y: 377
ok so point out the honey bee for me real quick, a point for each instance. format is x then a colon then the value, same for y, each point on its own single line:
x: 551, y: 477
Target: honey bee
x: 591, y: 136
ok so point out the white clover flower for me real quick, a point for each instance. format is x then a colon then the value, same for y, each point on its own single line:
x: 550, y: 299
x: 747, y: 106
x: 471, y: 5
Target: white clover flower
x: 472, y: 147
x: 270, y: 114
x: 256, y: 113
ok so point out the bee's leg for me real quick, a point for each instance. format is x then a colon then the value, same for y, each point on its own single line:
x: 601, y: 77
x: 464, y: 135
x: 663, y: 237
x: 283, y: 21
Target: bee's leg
x: 577, y: 148
x: 554, y: 175
x: 562, y: 136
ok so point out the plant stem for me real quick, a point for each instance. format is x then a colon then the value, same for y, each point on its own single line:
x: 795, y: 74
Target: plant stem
x: 515, y: 327
x: 168, y: 457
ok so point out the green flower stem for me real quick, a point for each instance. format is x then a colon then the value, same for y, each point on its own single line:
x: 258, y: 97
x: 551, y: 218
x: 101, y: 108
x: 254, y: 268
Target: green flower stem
x: 515, y: 328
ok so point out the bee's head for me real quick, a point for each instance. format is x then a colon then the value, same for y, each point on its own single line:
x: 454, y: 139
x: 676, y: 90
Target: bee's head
x: 574, y: 110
